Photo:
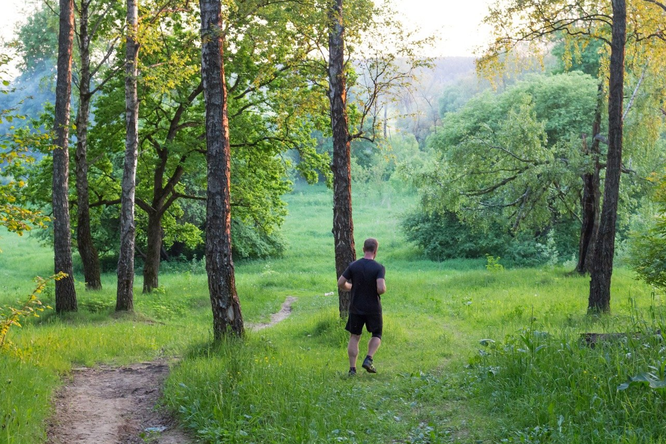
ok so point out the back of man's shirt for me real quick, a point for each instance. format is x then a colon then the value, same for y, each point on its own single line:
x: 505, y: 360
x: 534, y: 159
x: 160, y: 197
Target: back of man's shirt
x: 363, y: 275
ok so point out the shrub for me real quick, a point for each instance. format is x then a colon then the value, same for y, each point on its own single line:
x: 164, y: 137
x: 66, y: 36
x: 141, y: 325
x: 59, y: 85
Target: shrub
x: 252, y: 242
x: 10, y: 316
x: 647, y: 247
x: 443, y: 236
x: 647, y: 252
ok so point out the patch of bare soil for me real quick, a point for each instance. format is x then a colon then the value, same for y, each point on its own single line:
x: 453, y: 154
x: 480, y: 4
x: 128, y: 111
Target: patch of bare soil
x: 280, y: 316
x: 117, y: 405
x: 114, y: 405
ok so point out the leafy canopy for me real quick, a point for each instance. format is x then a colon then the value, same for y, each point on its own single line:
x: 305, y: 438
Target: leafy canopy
x: 513, y: 158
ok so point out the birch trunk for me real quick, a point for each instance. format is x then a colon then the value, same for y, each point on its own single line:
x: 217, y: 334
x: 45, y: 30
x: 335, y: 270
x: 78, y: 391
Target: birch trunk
x: 125, y: 293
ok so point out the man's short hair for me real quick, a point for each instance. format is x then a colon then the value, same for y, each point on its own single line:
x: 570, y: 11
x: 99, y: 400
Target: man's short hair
x: 371, y: 245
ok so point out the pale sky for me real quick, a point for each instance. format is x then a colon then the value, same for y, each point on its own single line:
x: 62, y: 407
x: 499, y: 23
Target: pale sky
x: 457, y: 23
x: 12, y: 11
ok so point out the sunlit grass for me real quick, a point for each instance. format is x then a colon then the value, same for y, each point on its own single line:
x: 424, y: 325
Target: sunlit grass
x: 436, y: 382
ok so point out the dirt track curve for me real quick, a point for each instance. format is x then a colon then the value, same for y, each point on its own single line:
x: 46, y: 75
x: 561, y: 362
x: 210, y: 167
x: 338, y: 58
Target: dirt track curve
x: 119, y: 405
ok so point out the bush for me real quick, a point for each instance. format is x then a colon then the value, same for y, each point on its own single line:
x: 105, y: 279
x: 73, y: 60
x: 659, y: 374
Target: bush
x: 443, y: 236
x: 647, y: 252
x: 252, y: 242
x: 647, y: 246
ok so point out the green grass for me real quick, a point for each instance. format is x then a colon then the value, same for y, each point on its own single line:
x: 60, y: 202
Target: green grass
x: 532, y: 383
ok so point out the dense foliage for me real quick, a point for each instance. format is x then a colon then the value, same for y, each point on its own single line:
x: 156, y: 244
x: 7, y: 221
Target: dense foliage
x: 444, y: 236
x: 515, y: 156
x: 506, y: 170
x: 648, y: 244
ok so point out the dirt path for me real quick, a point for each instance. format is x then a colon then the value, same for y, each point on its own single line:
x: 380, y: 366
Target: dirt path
x: 117, y: 405
x: 280, y: 316
x: 114, y: 405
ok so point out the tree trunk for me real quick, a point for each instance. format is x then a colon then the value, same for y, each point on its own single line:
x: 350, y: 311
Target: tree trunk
x: 591, y: 198
x: 602, y: 268
x: 227, y: 317
x: 89, y: 256
x: 163, y: 196
x: 65, y: 293
x: 125, y: 294
x: 343, y: 225
x: 151, y: 266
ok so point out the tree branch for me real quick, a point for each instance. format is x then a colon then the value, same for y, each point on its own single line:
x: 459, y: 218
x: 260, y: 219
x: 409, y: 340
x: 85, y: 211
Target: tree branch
x: 182, y: 107
x: 633, y: 95
x: 661, y: 5
x: 491, y: 188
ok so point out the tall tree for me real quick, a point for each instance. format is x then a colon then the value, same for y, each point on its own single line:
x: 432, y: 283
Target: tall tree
x: 89, y: 256
x: 62, y: 245
x: 164, y: 195
x: 382, y: 59
x: 604, y: 250
x: 343, y: 224
x: 227, y: 317
x: 125, y: 293
x: 531, y: 21
x: 36, y: 46
x: 88, y: 30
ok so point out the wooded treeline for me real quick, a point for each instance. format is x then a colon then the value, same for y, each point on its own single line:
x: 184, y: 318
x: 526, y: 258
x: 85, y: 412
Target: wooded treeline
x: 522, y: 161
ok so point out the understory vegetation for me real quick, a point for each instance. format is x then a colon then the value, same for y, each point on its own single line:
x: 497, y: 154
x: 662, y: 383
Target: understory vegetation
x: 473, y: 351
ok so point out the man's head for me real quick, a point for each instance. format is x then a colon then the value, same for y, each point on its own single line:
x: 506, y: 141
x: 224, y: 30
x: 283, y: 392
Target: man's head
x: 370, y: 246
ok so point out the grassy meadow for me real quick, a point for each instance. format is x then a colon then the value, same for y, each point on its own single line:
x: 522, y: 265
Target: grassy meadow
x: 469, y: 354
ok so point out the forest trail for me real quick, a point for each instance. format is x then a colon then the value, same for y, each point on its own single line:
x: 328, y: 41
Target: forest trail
x: 280, y: 316
x: 119, y: 405
x: 114, y: 405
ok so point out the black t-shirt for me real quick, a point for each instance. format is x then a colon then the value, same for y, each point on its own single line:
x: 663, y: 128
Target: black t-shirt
x: 363, y: 275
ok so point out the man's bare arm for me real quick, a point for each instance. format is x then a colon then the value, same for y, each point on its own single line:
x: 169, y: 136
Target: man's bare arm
x: 381, y: 286
x: 344, y: 284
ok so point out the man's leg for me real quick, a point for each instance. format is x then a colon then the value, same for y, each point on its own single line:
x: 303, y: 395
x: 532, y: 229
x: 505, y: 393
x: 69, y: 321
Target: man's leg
x: 373, y: 345
x: 352, y: 349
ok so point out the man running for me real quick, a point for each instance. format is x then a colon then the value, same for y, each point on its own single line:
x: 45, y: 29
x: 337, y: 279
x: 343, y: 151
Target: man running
x: 365, y: 279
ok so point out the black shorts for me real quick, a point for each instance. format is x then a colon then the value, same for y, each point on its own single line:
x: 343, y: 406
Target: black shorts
x: 373, y: 322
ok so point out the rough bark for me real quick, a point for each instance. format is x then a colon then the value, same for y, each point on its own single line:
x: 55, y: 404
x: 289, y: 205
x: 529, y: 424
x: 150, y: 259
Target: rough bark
x: 87, y: 250
x: 600, y: 282
x: 591, y: 199
x: 343, y: 225
x: 227, y: 317
x: 125, y: 293
x: 65, y: 293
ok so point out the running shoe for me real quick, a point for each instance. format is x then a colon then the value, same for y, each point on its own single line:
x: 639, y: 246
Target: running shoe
x: 367, y: 364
